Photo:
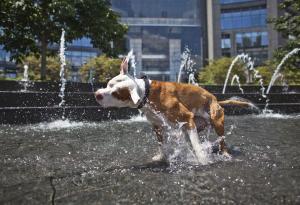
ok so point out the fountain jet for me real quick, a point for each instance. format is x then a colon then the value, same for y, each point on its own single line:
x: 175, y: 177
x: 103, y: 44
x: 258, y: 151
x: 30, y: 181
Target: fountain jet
x: 186, y: 63
x: 237, y: 79
x: 275, y: 75
x: 62, y: 70
x: 25, y: 79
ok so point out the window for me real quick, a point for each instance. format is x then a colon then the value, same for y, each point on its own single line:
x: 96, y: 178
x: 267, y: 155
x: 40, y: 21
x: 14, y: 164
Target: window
x: 78, y: 58
x: 258, y: 56
x: 234, y: 19
x: 225, y: 41
x: 157, y: 8
x: 156, y: 42
x: 159, y: 77
x: 4, y: 56
x: 233, y: 1
x: 83, y: 42
x: 226, y: 53
x: 155, y: 64
x: 251, y: 40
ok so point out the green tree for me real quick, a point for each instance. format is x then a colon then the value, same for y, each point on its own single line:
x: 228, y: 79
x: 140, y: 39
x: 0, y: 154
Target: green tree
x: 31, y: 26
x: 103, y: 68
x: 288, y: 75
x: 34, y: 66
x: 216, y: 71
x: 288, y: 25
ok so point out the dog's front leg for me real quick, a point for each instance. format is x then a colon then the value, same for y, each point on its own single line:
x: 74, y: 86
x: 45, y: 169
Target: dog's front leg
x: 159, y: 135
x: 181, y: 114
x: 199, y: 151
x: 217, y: 120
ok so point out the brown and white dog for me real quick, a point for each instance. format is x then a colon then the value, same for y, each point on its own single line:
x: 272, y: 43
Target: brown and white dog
x: 176, y: 102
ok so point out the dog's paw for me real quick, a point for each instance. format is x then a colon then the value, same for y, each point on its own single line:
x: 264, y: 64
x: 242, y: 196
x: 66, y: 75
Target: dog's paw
x: 159, y: 157
x: 225, y: 152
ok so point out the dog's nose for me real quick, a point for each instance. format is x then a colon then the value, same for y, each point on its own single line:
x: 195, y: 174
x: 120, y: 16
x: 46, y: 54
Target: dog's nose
x: 98, y: 96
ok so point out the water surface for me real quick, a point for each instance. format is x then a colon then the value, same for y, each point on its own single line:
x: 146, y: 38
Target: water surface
x: 65, y: 162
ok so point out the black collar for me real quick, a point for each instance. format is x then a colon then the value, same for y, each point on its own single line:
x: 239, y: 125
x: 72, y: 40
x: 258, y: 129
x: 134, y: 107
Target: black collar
x: 147, y: 91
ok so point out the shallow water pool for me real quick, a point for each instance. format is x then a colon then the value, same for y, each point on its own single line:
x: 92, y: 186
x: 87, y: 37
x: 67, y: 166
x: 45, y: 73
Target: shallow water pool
x: 65, y: 162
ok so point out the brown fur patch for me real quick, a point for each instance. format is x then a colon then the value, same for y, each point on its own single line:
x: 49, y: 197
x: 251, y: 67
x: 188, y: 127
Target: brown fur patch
x: 177, y: 101
x: 122, y: 94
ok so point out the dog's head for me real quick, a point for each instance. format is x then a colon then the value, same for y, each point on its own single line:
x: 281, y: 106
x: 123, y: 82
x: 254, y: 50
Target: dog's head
x: 121, y: 91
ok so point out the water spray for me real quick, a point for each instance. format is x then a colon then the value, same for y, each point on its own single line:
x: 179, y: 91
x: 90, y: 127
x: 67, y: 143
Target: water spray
x: 62, y: 71
x: 275, y: 75
x: 131, y: 58
x: 237, y: 79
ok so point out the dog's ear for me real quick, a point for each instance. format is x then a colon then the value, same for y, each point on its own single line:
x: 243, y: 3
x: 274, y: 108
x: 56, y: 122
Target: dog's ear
x: 124, y: 66
x: 134, y: 96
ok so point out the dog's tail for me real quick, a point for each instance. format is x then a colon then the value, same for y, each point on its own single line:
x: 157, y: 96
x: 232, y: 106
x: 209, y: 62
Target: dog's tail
x: 237, y: 102
x: 234, y: 102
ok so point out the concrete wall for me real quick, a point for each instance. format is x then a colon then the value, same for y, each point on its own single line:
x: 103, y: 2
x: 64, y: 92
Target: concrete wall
x: 40, y: 102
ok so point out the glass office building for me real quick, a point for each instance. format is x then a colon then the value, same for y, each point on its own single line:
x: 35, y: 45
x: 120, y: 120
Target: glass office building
x: 7, y: 68
x: 159, y: 31
x: 244, y: 28
x: 78, y: 53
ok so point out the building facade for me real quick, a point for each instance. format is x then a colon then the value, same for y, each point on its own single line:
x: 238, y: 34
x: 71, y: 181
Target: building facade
x: 7, y: 67
x: 160, y: 30
x: 78, y: 53
x: 240, y: 26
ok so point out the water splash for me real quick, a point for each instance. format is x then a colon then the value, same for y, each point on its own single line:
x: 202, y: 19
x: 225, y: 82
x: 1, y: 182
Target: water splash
x: 178, y: 150
x: 249, y: 66
x: 186, y: 63
x: 62, y: 71
x: 241, y: 57
x: 91, y: 79
x: 25, y: 74
x: 250, y: 104
x: 131, y: 59
x: 276, y: 116
x: 275, y: 75
x: 59, y: 124
x: 192, y: 79
x: 135, y: 118
x: 237, y: 79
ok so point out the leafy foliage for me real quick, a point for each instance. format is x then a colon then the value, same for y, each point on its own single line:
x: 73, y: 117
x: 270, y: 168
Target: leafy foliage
x: 216, y: 71
x: 288, y: 25
x: 31, y: 26
x: 52, y: 71
x: 289, y: 74
x: 104, y: 68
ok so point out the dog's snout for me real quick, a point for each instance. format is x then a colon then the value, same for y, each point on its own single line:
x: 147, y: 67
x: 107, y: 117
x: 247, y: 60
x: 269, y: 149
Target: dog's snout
x: 98, y: 96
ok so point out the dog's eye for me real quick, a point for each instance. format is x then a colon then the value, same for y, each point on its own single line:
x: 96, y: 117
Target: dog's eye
x: 121, y: 94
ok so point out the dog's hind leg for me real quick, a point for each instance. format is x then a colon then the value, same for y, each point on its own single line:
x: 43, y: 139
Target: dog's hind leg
x: 159, y: 135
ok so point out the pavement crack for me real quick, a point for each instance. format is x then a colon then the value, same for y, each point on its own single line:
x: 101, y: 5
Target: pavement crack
x: 53, y: 189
